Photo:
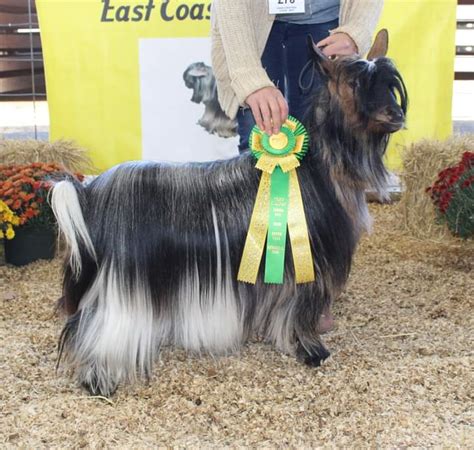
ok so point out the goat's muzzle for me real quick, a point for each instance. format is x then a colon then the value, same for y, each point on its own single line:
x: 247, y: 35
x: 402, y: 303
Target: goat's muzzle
x: 391, y: 119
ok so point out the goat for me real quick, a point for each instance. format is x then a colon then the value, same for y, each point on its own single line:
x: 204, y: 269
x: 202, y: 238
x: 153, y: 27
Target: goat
x: 154, y: 248
x: 200, y: 78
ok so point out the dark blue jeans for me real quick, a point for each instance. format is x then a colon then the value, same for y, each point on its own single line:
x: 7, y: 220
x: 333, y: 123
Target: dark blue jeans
x: 284, y: 57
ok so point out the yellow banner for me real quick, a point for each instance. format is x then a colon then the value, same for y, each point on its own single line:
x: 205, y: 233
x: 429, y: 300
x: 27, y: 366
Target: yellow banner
x: 422, y: 43
x: 101, y: 55
x: 91, y: 51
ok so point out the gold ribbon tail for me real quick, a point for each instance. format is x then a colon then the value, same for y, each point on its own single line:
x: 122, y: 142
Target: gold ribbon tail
x: 257, y: 234
x: 299, y: 236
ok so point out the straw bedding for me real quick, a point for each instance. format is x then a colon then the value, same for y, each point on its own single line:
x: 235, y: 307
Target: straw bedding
x: 400, y: 373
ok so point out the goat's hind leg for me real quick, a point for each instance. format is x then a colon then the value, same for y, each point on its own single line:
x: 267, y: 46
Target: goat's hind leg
x: 87, y: 370
x: 78, y: 303
x: 111, y: 338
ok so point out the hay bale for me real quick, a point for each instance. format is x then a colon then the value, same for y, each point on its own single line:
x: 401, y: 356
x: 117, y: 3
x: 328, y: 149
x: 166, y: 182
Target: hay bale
x: 422, y: 162
x: 66, y: 153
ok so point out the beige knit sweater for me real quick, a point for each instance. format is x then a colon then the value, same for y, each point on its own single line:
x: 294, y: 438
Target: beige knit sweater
x: 240, y: 29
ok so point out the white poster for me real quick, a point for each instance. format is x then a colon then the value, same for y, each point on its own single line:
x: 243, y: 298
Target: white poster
x: 181, y: 120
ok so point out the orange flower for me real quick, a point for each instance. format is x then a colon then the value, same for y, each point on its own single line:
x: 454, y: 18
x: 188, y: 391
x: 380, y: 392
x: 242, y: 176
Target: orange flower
x: 26, y: 197
x: 24, y: 188
x: 29, y: 213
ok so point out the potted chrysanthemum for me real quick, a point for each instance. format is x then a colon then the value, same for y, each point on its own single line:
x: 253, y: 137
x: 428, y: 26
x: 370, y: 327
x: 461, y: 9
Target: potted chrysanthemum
x: 24, y: 189
x: 453, y: 197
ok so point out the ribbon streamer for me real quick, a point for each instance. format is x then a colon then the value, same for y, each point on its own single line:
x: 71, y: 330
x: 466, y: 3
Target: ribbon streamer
x: 278, y: 207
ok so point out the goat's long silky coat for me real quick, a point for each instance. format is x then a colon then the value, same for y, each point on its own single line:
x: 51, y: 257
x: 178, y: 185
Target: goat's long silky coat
x: 155, y: 250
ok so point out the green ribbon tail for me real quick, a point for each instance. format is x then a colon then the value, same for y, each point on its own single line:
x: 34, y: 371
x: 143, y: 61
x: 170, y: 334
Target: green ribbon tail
x: 277, y: 230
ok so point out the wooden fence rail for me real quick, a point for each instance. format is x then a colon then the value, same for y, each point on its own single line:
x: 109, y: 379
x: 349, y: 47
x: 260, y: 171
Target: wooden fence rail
x: 21, y: 59
x: 466, y: 24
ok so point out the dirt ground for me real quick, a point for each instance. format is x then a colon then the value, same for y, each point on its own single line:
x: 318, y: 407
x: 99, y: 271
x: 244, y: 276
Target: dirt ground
x: 400, y: 374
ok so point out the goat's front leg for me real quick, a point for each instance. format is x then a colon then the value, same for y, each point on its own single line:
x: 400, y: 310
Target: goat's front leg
x: 313, y: 356
x: 312, y: 318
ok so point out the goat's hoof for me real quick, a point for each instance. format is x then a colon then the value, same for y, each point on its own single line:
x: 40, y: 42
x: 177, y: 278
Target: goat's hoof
x: 313, y: 359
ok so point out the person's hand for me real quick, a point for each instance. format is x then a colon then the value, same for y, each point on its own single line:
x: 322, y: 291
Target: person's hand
x: 269, y: 108
x: 338, y: 44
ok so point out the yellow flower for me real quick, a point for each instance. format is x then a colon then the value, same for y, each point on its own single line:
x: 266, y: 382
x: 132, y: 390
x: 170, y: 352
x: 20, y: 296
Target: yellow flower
x: 10, y: 233
x: 1, y: 234
x: 8, y: 217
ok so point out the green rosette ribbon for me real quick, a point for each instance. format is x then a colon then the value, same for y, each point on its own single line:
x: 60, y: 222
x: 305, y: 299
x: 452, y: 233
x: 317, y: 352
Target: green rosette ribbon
x: 278, y: 207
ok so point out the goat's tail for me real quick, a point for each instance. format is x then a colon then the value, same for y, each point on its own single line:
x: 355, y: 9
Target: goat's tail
x: 69, y: 215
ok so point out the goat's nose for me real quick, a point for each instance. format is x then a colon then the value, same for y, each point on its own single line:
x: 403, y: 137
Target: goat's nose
x: 395, y: 113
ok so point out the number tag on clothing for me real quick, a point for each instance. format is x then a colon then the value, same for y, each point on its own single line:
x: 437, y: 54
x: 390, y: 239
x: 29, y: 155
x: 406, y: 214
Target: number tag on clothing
x: 286, y: 6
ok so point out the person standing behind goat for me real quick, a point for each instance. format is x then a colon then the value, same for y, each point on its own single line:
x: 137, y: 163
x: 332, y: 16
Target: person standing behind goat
x: 259, y: 58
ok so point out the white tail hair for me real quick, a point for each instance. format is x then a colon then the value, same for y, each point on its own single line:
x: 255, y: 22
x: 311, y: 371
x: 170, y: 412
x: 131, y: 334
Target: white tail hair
x: 68, y: 212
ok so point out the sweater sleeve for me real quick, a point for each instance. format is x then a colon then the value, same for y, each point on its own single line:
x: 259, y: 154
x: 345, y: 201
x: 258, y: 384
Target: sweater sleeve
x: 237, y: 32
x: 359, y: 19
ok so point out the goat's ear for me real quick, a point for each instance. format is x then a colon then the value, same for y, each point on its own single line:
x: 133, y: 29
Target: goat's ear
x: 380, y: 46
x: 322, y: 62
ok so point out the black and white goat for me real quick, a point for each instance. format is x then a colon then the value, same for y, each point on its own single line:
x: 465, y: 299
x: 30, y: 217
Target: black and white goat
x: 154, y: 248
x: 200, y: 78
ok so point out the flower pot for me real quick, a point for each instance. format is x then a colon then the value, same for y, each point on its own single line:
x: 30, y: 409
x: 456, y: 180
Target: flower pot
x: 30, y: 244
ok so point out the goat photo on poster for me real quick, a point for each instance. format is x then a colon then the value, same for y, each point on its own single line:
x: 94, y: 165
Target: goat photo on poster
x: 181, y: 118
x: 200, y: 78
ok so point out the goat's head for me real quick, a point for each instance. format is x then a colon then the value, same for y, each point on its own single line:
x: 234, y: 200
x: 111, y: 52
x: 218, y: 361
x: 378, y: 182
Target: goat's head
x: 370, y: 93
x: 200, y: 79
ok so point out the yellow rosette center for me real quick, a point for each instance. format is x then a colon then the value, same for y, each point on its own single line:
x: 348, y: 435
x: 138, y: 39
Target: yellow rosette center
x: 279, y: 141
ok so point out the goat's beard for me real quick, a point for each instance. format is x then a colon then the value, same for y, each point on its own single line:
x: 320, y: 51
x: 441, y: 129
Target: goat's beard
x: 353, y: 158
